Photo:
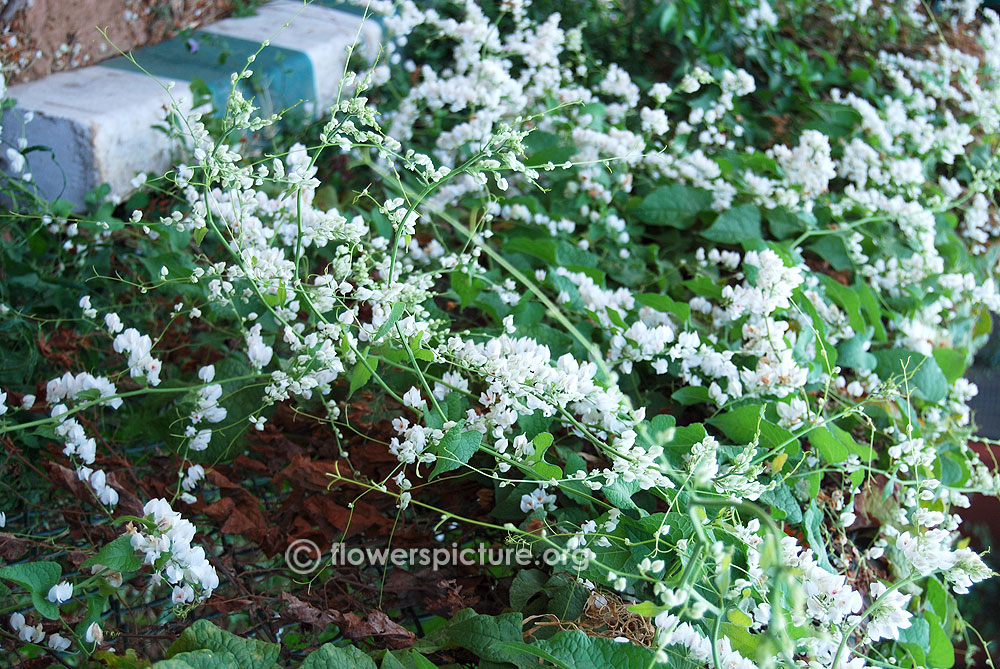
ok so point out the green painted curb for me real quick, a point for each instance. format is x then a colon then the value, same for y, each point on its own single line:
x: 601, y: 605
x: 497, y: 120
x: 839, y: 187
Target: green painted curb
x: 282, y: 77
x: 350, y: 8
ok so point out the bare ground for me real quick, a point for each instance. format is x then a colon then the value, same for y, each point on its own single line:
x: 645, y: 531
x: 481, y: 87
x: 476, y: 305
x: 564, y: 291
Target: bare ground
x: 39, y: 37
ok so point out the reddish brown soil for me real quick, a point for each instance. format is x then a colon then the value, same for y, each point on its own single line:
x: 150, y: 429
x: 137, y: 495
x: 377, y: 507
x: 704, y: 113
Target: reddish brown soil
x: 38, y: 37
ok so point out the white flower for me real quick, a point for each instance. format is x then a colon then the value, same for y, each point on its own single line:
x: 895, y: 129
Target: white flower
x: 182, y: 594
x: 929, y: 551
x: 141, y: 362
x: 58, y: 642
x: 61, y: 592
x: 94, y: 634
x: 537, y: 499
x: 195, y: 473
x: 412, y: 398
x: 257, y: 351
x: 969, y: 569
x: 88, y: 311
x: 113, y: 323
x: 793, y: 414
x: 31, y: 634
x: 200, y: 440
x: 890, y: 615
x: 660, y: 92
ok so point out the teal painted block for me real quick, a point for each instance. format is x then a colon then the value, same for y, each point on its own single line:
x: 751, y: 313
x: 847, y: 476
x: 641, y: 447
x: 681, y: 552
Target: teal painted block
x: 282, y: 77
x: 350, y: 8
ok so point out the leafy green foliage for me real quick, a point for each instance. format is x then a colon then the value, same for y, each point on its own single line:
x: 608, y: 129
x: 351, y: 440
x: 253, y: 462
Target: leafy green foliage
x: 204, y: 636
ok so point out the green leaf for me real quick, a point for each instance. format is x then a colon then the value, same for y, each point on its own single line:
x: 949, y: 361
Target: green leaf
x: 390, y: 661
x: 37, y: 578
x: 737, y: 617
x: 572, y: 256
x: 852, y: 352
x: 941, y: 652
x: 518, y: 647
x: 735, y: 225
x: 423, y: 354
x: 200, y: 659
x: 872, y: 309
x: 466, y: 287
x: 784, y: 224
x: 128, y: 660
x: 619, y: 493
x: 249, y: 653
x: 679, y: 441
x: 918, y: 633
x: 420, y: 661
x: 916, y: 639
x: 781, y: 499
x: 937, y: 597
x: 814, y: 535
x: 689, y: 395
x: 831, y: 249
x: 527, y: 583
x: 704, y: 286
x: 615, y: 317
x: 456, y: 448
x: 674, y: 205
x: 741, y: 426
x: 863, y: 451
x: 96, y: 604
x: 569, y: 597
x: 361, y: 373
x: 545, y: 470
x: 397, y: 310
x: 542, y: 441
x: 117, y: 555
x: 984, y: 325
x: 549, y: 148
x: 925, y: 377
x: 576, y: 649
x: 664, y: 304
x: 830, y: 448
x: 647, y: 609
x: 481, y: 634
x: 329, y: 656
x: 741, y: 639
x: 847, y: 299
x: 953, y: 363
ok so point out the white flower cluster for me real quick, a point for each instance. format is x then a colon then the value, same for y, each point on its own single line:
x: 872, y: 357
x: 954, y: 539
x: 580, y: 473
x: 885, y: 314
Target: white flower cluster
x: 77, y: 445
x: 207, y: 409
x: 186, y: 568
x: 141, y: 363
x: 672, y: 632
x: 773, y: 324
x: 36, y: 634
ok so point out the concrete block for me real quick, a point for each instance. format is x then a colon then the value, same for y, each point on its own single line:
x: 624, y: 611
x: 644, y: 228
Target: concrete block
x: 98, y: 121
x: 322, y: 33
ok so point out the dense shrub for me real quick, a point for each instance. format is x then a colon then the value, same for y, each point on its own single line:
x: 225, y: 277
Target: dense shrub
x: 686, y: 291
